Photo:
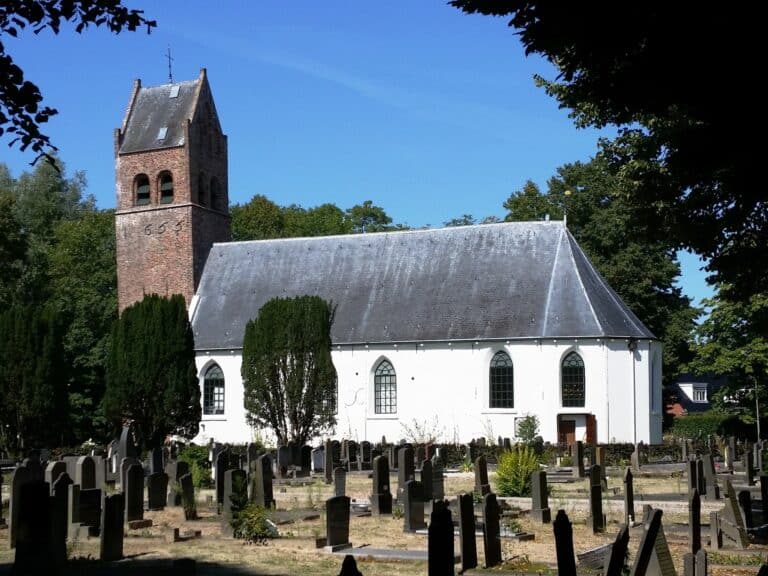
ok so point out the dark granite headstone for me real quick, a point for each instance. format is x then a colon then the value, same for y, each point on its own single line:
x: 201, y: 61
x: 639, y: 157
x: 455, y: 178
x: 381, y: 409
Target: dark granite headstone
x: 440, y: 557
x: 337, y: 520
x: 21, y: 477
x: 482, y: 486
x: 339, y: 481
x: 52, y: 472
x: 629, y: 498
x: 597, y: 520
x: 188, y: 496
x: 125, y: 463
x: 59, y: 517
x: 127, y: 444
x: 694, y: 521
x: 577, y: 455
x: 692, y: 471
x: 653, y: 557
x: 328, y: 462
x: 438, y: 479
x: 426, y: 480
x: 251, y: 453
x: 405, y: 470
x: 90, y: 508
x: 283, y: 461
x: 73, y: 511
x: 730, y: 453
x: 156, y: 460
x: 305, y: 460
x: 366, y: 457
x: 617, y: 555
x: 157, y: 490
x: 467, y: 540
x: 749, y: 468
x: 111, y: 544
x: 712, y: 491
x: 381, y: 498
x: 413, y: 506
x: 235, y: 492
x: 261, y: 482
x: 745, y: 503
x: 491, y: 531
x: 221, y: 466
x: 566, y: 561
x: 33, y: 529
x: 701, y: 481
x: 133, y: 490
x: 540, y: 511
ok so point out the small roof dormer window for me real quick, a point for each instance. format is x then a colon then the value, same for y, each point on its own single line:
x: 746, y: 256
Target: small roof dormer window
x: 174, y: 91
x: 162, y: 132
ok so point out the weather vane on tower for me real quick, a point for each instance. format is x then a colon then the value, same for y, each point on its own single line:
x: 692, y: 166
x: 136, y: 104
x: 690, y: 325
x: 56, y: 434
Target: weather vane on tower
x: 170, y: 69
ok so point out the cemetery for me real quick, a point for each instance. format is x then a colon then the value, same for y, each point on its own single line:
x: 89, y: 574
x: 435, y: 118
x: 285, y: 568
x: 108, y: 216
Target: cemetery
x: 387, y: 509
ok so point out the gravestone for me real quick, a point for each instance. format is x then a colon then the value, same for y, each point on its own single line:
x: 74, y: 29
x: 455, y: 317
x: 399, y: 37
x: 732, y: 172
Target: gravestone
x: 577, y: 455
x: 339, y: 481
x: 629, y: 498
x: 482, y: 486
x: 596, y: 517
x: 413, y: 506
x: 749, y: 468
x: 617, y: 555
x: 126, y: 447
x: 33, y: 529
x: 712, y: 491
x: 391, y: 454
x: 691, y: 471
x: 305, y: 460
x: 440, y: 558
x: 221, y: 466
x: 366, y: 456
x: 156, y: 460
x: 85, y: 473
x: 731, y: 520
x: 328, y: 462
x: 566, y: 561
x: 352, y: 455
x: 349, y: 567
x: 653, y: 555
x: 491, y: 531
x: 2, y: 520
x: 112, y: 512
x: 52, y: 472
x: 420, y: 454
x: 175, y: 470
x: 188, y: 496
x: 73, y: 511
x: 133, y: 490
x: 730, y: 453
x: 337, y: 521
x: 701, y: 563
x: 235, y: 492
x: 251, y: 453
x: 59, y: 516
x: 684, y: 450
x: 101, y: 470
x: 438, y: 479
x: 540, y: 511
x: 157, y: 490
x: 426, y: 480
x: 283, y: 461
x: 694, y: 521
x: 745, y: 503
x: 757, y: 456
x: 764, y: 497
x: 405, y: 470
x: 636, y: 458
x: 125, y: 463
x: 701, y: 481
x: 21, y: 477
x: 90, y: 510
x: 467, y: 542
x: 381, y: 498
x: 261, y: 482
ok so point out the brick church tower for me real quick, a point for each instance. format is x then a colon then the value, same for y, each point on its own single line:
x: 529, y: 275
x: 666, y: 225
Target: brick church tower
x: 172, y: 193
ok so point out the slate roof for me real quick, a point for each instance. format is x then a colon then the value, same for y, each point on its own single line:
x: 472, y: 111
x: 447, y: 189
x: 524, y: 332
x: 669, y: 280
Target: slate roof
x: 494, y: 281
x: 154, y: 109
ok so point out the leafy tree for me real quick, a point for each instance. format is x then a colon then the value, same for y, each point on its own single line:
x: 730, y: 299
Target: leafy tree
x: 683, y: 110
x: 21, y: 113
x: 288, y: 373
x: 258, y: 219
x: 464, y: 220
x: 83, y: 287
x: 729, y: 343
x: 33, y: 379
x: 13, y: 245
x: 151, y: 374
x: 367, y: 217
x: 643, y: 273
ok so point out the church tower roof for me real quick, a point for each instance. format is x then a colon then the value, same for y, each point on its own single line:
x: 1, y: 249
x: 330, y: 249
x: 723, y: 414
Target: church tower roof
x: 517, y: 280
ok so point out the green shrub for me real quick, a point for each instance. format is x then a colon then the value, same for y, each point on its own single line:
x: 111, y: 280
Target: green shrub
x: 528, y: 429
x: 199, y: 466
x: 513, y: 475
x: 250, y: 524
x: 699, y: 426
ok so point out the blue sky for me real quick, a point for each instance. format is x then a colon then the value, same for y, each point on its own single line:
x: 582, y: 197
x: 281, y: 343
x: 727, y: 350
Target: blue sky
x: 426, y: 111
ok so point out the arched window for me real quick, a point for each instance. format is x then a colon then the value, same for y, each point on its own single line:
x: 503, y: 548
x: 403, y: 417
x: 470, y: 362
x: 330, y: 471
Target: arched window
x: 215, y: 200
x: 201, y: 191
x: 213, y: 391
x: 502, y: 381
x: 385, y: 388
x: 141, y: 189
x: 572, y: 375
x: 166, y: 188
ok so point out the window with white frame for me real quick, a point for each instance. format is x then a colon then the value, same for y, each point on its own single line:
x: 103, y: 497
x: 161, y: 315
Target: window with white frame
x: 700, y: 394
x: 213, y: 391
x: 385, y: 389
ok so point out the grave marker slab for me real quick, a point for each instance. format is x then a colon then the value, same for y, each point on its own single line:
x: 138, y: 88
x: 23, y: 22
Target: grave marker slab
x: 235, y: 492
x: 157, y: 490
x: 629, y: 498
x: 33, y: 529
x: 438, y: 479
x: 133, y: 490
x: 413, y: 506
x: 381, y: 498
x: 111, y: 544
x: 482, y: 486
x: 491, y: 531
x: 339, y: 481
x: 261, y: 482
x: 467, y: 541
x: 566, y: 561
x: 616, y: 556
x: 426, y: 480
x: 540, y: 511
x: 440, y: 558
x: 337, y: 522
x: 694, y: 521
x: 52, y: 472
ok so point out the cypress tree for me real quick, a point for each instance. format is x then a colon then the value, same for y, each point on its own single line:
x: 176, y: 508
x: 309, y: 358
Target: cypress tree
x: 287, y: 370
x: 151, y: 373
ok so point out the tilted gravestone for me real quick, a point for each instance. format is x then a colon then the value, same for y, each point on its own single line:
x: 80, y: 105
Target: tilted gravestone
x: 111, y: 537
x: 467, y: 542
x: 133, y: 489
x: 381, y: 498
x: 566, y: 561
x: 426, y: 480
x: 540, y: 511
x: 440, y: 557
x: 653, y: 555
x: 33, y: 529
x: 629, y: 498
x: 482, y: 486
x: 337, y: 521
x: 261, y: 482
x: 438, y: 479
x: 52, y: 472
x: 413, y: 506
x: 617, y: 555
x: 712, y: 491
x: 694, y: 521
x: 745, y: 503
x: 157, y: 490
x: 730, y: 519
x: 339, y: 481
x: 491, y: 531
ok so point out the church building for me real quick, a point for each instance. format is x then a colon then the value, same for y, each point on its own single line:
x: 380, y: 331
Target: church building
x: 463, y: 331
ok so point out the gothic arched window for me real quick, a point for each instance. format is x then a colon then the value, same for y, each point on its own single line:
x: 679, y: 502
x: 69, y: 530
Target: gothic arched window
x: 385, y: 389
x: 572, y: 381
x: 213, y: 391
x: 501, y: 381
x: 141, y: 189
x: 166, y: 188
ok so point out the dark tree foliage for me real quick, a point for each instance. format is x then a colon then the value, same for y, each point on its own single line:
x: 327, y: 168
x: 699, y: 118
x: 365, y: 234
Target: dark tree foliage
x: 671, y: 76
x: 21, y: 109
x: 288, y: 373
x: 151, y: 374
x: 34, y: 408
x: 13, y: 244
x: 643, y: 273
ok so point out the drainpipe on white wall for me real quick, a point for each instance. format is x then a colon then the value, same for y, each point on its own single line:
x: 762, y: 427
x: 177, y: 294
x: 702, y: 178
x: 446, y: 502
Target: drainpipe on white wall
x: 632, y: 346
